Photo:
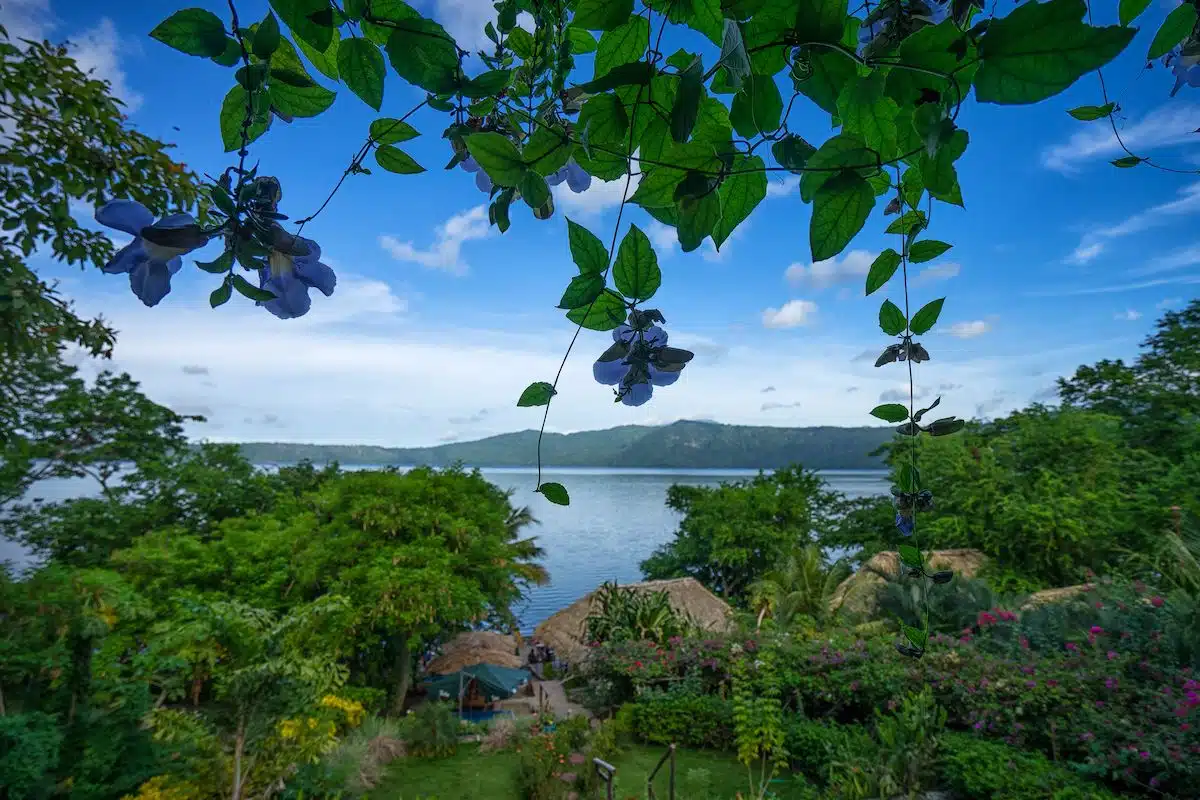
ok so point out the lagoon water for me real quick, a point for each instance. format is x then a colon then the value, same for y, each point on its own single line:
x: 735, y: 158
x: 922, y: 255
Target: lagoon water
x: 616, y: 518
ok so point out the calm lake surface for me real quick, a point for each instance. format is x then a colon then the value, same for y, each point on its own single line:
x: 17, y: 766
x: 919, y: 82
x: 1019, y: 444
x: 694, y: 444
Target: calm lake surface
x: 616, y: 518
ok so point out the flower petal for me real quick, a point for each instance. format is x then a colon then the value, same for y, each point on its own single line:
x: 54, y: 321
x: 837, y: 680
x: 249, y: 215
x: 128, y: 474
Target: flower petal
x: 622, y: 333
x: 638, y: 394
x: 317, y: 275
x: 610, y: 373
x: 129, y: 216
x: 556, y: 178
x: 126, y: 259
x: 291, y: 297
x: 660, y: 377
x: 151, y: 281
x: 577, y: 179
x: 655, y: 337
x: 482, y: 181
x: 469, y: 164
x: 176, y: 221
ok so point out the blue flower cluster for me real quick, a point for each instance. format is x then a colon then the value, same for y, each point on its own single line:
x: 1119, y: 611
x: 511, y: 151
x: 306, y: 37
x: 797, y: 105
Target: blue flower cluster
x: 1186, y: 69
x: 289, y: 276
x: 155, y: 253
x: 577, y: 180
x: 638, y: 361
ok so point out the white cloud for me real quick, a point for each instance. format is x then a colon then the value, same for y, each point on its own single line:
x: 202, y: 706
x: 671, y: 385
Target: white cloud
x: 446, y: 251
x: 663, y: 237
x: 1171, y: 125
x: 1128, y: 316
x: 792, y: 314
x: 465, y: 20
x: 666, y: 241
x: 1185, y: 257
x: 1167, y: 302
x: 96, y: 50
x: 970, y: 330
x: 1085, y: 252
x: 599, y: 197
x: 937, y: 272
x: 1115, y: 289
x: 851, y: 266
x: 782, y: 188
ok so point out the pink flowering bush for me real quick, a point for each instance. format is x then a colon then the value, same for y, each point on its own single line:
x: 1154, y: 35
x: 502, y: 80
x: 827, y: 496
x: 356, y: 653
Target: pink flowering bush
x: 616, y: 672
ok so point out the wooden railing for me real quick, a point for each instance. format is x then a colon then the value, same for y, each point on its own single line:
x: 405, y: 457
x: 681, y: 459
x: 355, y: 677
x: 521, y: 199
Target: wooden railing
x: 668, y: 756
x: 606, y: 772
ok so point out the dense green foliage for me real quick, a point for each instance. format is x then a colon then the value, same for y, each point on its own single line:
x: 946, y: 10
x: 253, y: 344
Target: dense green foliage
x: 685, y: 444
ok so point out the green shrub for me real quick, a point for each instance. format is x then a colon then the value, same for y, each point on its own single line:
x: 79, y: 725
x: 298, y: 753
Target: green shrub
x: 908, y: 742
x: 431, y: 730
x: 29, y: 745
x: 691, y: 720
x: 984, y: 770
x: 814, y: 745
x: 372, y: 700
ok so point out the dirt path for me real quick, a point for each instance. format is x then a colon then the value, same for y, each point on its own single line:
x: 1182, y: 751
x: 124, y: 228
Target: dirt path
x: 556, y: 695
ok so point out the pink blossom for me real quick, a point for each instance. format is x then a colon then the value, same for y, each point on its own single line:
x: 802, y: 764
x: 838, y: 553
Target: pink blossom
x: 1096, y: 629
x: 1156, y: 601
x: 1112, y: 654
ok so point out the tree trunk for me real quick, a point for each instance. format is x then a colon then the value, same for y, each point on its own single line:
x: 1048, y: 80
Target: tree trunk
x: 402, y: 671
x: 238, y: 750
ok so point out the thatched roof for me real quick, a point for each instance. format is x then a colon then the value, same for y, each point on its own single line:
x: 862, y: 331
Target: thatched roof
x: 1059, y: 595
x: 857, y: 593
x: 476, y: 647
x: 564, y: 631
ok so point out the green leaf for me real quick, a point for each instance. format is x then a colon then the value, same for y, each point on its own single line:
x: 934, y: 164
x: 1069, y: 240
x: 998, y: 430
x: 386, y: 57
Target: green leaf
x: 740, y: 194
x: 298, y: 16
x: 938, y: 173
x: 882, y: 270
x: 907, y: 223
x: 917, y: 636
x: 909, y: 554
x: 734, y: 58
x: 361, y: 66
x: 829, y: 74
x: 498, y: 157
x: 912, y: 186
x: 220, y: 265
x: 393, y: 159
x: 231, y: 55
x: 534, y: 190
x: 233, y: 112
x: 602, y: 15
x: 1175, y: 28
x: 687, y: 101
x: 635, y: 73
x: 489, y: 84
x: 498, y: 210
x: 840, y: 209
x: 927, y: 317
x: 425, y: 55
x: 392, y: 131
x: 581, y: 41
x: 247, y: 289
x: 520, y: 41
x: 193, y: 31
x: 326, y: 61
x: 605, y: 313
x: 890, y: 412
x: 635, y: 272
x: 300, y: 101
x: 865, y: 110
x: 927, y: 250
x: 1091, y: 113
x: 909, y: 478
x: 757, y: 108
x: 1040, y: 49
x: 587, y: 251
x: 933, y: 51
x: 220, y: 295
x: 698, y: 217
x: 622, y: 45
x: 840, y: 152
x: 556, y: 493
x: 1129, y: 10
x: 582, y: 290
x: 1125, y: 162
x: 792, y: 153
x: 891, y: 318
x: 266, y: 37
x: 548, y: 150
x: 536, y: 394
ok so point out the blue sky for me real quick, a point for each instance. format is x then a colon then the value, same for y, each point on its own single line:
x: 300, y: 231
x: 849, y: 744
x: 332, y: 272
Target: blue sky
x: 438, y: 322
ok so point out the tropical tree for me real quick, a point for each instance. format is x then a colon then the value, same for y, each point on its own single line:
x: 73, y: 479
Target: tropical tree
x: 801, y: 585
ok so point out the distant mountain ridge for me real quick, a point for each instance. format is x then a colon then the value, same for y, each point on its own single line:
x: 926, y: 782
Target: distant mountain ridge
x: 680, y: 445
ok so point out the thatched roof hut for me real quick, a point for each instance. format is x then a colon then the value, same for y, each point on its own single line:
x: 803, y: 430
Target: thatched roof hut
x: 476, y: 647
x: 857, y: 594
x: 564, y: 631
x: 1059, y: 595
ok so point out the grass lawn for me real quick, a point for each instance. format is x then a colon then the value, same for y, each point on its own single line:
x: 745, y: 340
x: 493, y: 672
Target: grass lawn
x: 470, y: 775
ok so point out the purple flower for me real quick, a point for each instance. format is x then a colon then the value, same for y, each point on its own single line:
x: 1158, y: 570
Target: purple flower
x: 290, y: 276
x: 150, y: 262
x: 904, y: 523
x: 619, y: 369
x: 577, y: 180
x: 482, y: 181
x: 1185, y: 68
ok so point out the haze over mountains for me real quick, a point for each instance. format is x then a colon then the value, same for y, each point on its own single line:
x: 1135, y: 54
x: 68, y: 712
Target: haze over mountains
x: 681, y: 445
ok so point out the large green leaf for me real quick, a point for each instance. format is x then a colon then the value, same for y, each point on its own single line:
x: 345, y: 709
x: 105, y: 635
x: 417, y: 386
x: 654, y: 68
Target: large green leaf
x: 622, y: 45
x: 233, y: 112
x: 423, y: 54
x: 556, y: 493
x: 740, y: 194
x: 362, y: 69
x: 865, y: 110
x: 1129, y: 10
x: 581, y: 41
x: 548, y: 150
x: 588, y: 252
x: 927, y: 250
x: 697, y: 219
x: 324, y: 60
x: 734, y: 58
x: 935, y: 49
x: 392, y: 131
x: 605, y: 313
x: 582, y: 290
x: 300, y: 101
x: 536, y: 394
x: 891, y: 319
x: 1040, y: 49
x: 393, y: 159
x: 298, y: 15
x: 882, y: 270
x: 498, y: 157
x: 1175, y: 28
x: 829, y: 73
x: 635, y: 272
x: 890, y: 412
x: 1092, y: 113
x: 840, y: 209
x: 193, y: 31
x: 846, y: 150
x: 927, y: 317
x: 265, y: 40
x: 602, y: 15
x: 757, y: 108
x: 687, y: 101
x: 938, y: 173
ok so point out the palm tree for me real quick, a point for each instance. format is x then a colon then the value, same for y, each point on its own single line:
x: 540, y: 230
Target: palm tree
x: 801, y: 584
x: 526, y: 550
